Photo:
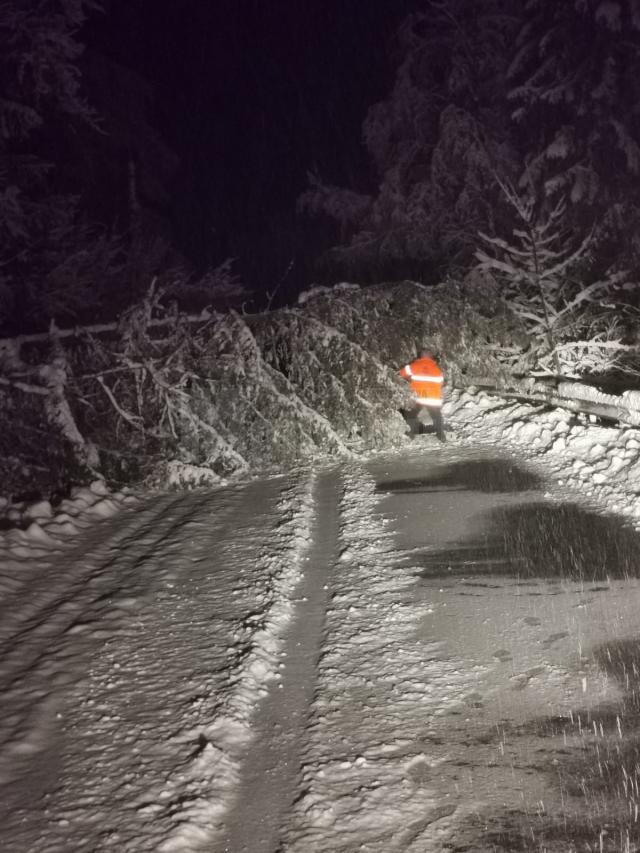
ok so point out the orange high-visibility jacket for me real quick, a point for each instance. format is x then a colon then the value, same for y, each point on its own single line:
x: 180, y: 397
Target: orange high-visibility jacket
x: 426, y: 381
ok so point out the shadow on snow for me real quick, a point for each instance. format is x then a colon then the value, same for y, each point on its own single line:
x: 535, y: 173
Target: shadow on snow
x: 542, y: 540
x: 482, y: 475
x: 591, y: 758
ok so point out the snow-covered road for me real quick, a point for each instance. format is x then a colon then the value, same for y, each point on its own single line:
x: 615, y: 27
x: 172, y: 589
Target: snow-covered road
x: 131, y: 664
x: 424, y: 652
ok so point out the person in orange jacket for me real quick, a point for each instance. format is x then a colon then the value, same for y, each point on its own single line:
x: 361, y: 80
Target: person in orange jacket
x: 426, y: 380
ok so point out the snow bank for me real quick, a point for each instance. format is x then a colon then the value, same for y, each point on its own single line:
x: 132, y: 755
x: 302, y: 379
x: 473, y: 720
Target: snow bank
x: 30, y: 530
x: 183, y: 475
x: 211, y: 780
x: 597, y: 464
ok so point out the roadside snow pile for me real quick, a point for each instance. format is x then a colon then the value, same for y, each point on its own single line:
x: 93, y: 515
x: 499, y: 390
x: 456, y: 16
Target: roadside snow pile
x: 206, y: 786
x: 183, y: 475
x: 34, y: 528
x: 599, y: 463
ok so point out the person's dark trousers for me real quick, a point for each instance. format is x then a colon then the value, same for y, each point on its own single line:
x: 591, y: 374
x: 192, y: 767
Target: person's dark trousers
x: 438, y: 421
x: 412, y: 418
x: 416, y: 427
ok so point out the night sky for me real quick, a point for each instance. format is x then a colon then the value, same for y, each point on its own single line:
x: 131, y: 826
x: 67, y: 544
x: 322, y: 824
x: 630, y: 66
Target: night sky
x: 250, y: 95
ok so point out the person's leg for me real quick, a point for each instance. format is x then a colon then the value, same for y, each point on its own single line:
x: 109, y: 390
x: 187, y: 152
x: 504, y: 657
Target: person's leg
x: 411, y: 416
x: 438, y: 422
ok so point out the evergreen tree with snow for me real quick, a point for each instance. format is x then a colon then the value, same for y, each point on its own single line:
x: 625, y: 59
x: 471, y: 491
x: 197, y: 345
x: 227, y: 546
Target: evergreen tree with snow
x: 574, y: 90
x: 542, y: 94
x: 435, y: 142
x: 45, y: 245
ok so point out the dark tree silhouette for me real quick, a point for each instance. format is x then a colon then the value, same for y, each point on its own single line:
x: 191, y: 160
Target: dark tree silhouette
x: 542, y: 95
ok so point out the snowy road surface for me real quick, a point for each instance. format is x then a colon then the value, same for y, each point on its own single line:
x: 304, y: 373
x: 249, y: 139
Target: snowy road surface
x: 422, y: 653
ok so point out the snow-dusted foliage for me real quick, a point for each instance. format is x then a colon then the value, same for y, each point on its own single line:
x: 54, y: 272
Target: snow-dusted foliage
x: 461, y: 322
x: 574, y: 92
x: 38, y: 61
x: 258, y: 405
x: 574, y: 323
x: 434, y: 143
x: 542, y: 94
x: 588, y: 109
x: 343, y: 205
x: 47, y: 252
x: 223, y: 394
x: 235, y: 392
x: 335, y: 369
x: 465, y: 324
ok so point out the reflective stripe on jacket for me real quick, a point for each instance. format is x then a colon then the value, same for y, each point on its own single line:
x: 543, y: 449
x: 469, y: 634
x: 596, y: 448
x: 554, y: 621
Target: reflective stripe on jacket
x: 426, y: 381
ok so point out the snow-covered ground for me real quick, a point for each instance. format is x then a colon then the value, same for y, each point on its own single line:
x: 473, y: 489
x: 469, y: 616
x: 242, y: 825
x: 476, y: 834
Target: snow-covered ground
x: 138, y: 636
x: 437, y: 693
x: 596, y: 463
x: 131, y: 662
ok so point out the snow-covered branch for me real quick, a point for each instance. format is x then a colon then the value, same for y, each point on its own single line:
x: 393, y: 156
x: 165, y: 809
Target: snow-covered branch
x: 571, y: 323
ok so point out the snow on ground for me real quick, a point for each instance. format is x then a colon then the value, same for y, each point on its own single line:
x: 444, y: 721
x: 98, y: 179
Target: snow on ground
x: 372, y: 702
x: 131, y: 663
x: 203, y: 789
x: 596, y: 463
x: 430, y: 723
x: 132, y: 656
x: 407, y: 696
x: 32, y: 532
x: 601, y: 462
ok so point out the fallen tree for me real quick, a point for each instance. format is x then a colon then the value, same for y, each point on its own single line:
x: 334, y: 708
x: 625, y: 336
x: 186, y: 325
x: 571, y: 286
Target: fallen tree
x: 222, y: 394
x: 163, y: 395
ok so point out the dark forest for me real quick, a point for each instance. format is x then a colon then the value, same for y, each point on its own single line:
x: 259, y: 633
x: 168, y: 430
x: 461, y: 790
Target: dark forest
x: 173, y: 177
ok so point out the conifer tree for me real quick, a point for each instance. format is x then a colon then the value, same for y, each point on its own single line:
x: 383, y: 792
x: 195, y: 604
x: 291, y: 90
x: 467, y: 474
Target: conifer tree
x: 435, y: 142
x: 47, y: 253
x: 574, y: 91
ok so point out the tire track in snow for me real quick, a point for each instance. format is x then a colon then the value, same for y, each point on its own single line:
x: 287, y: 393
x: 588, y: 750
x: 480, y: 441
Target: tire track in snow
x: 206, y: 789
x: 76, y: 590
x: 83, y: 590
x: 105, y: 596
x: 71, y: 573
x: 271, y: 769
x: 378, y: 686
